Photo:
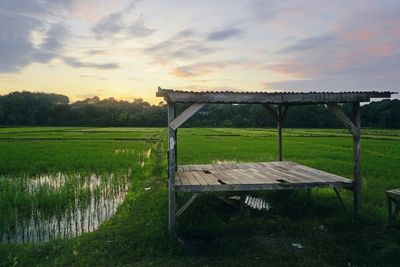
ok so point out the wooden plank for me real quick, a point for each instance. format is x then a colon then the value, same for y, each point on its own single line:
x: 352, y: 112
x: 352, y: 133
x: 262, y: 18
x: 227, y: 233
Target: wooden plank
x: 192, y: 178
x: 184, y: 178
x: 252, y: 187
x: 210, y: 179
x: 279, y: 125
x: 258, y: 176
x: 186, y: 205
x: 301, y: 175
x: 185, y: 115
x: 247, y: 178
x: 285, y: 176
x: 225, y: 177
x: 267, y: 177
x: 357, y: 159
x: 335, y: 109
x: 200, y: 179
x: 329, y: 176
x: 177, y: 179
x: 171, y: 171
x: 316, y: 175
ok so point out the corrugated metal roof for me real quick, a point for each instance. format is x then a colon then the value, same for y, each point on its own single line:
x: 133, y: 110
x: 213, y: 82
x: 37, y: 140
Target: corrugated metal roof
x: 179, y: 96
x: 277, y: 92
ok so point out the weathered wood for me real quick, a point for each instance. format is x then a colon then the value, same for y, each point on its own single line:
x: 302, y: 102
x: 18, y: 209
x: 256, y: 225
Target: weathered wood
x: 278, y: 115
x: 393, y: 197
x: 271, y: 111
x: 283, y: 114
x: 279, y: 124
x: 269, y: 98
x: 393, y: 193
x: 171, y: 171
x: 256, y: 176
x: 176, y: 147
x: 357, y: 159
x: 185, y: 115
x: 186, y: 205
x: 335, y: 109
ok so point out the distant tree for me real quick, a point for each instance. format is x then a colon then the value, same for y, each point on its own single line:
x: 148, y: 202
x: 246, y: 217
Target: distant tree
x: 27, y: 108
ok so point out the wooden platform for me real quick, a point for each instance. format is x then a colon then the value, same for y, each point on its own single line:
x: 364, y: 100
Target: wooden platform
x: 254, y: 176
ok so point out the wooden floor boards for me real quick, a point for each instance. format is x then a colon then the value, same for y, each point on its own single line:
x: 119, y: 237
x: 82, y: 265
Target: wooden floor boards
x: 254, y: 176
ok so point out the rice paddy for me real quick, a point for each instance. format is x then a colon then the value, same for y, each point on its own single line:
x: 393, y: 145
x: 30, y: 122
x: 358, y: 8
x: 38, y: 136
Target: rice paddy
x: 107, y: 188
x: 48, y: 188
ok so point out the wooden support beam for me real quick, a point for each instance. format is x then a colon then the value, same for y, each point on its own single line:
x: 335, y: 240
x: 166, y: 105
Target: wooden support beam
x: 185, y: 115
x: 357, y: 158
x: 285, y: 109
x: 335, y: 109
x: 279, y: 122
x: 171, y: 171
x: 278, y: 115
x: 271, y: 111
x: 186, y: 205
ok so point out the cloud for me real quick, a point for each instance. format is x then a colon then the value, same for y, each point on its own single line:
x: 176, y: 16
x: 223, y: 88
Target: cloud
x: 350, y: 54
x: 109, y: 25
x: 80, y: 64
x: 121, y: 22
x: 35, y: 7
x: 185, y: 44
x: 312, y: 43
x: 201, y: 68
x: 19, y: 19
x: 138, y: 28
x: 223, y: 34
x: 17, y: 48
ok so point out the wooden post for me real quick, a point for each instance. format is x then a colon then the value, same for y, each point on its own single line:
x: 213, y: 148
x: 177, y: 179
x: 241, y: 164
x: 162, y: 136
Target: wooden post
x: 357, y: 159
x: 176, y: 148
x: 278, y: 115
x: 279, y: 122
x: 171, y: 170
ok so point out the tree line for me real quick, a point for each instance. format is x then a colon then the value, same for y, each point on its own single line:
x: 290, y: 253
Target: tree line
x: 43, y: 109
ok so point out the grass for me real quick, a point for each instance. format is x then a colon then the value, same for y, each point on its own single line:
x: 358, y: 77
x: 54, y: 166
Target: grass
x: 47, y: 175
x: 137, y: 234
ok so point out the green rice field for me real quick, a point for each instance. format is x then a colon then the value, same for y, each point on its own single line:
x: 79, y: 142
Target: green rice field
x: 75, y: 196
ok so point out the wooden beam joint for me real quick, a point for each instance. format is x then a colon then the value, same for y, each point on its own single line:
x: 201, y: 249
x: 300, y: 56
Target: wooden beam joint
x: 353, y: 129
x: 185, y: 115
x: 277, y: 114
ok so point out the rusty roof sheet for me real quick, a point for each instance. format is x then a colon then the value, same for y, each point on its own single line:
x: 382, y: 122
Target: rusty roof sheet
x: 178, y: 96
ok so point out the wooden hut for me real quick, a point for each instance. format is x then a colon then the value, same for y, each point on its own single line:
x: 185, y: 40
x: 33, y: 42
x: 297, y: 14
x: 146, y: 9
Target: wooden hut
x: 259, y: 175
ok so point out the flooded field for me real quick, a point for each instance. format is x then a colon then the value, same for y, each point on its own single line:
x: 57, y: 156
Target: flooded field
x: 62, y: 182
x: 47, y: 207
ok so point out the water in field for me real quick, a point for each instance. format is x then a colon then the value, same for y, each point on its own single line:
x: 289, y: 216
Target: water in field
x: 48, y: 207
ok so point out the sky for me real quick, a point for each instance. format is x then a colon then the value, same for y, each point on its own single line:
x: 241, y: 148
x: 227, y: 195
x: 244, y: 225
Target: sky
x: 126, y: 49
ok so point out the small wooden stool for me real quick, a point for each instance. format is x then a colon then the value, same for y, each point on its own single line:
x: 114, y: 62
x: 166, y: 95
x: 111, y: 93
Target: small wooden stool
x: 393, y: 196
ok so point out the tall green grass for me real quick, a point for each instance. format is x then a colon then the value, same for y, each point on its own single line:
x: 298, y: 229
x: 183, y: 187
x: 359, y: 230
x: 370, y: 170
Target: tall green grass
x: 46, y: 180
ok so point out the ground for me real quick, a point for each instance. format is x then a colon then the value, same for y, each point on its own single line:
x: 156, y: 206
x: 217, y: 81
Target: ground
x: 299, y: 229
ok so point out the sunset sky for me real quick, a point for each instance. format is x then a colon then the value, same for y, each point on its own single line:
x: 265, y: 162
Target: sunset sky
x: 126, y: 49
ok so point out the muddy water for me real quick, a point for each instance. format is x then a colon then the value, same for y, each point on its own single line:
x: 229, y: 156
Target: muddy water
x: 94, y: 199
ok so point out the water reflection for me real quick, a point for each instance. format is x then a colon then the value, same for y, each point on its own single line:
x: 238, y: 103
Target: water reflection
x: 61, y: 206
